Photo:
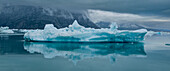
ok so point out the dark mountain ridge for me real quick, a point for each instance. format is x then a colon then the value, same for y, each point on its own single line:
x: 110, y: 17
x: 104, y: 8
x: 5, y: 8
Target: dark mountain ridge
x: 31, y: 17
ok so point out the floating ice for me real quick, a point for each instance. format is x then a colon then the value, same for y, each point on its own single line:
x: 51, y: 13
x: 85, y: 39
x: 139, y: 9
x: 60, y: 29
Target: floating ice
x: 79, y: 51
x: 78, y: 33
x: 27, y: 30
x: 5, y: 30
x: 151, y: 33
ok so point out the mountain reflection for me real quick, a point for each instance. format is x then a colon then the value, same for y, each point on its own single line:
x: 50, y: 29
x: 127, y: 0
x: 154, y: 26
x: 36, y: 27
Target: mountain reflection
x: 78, y: 51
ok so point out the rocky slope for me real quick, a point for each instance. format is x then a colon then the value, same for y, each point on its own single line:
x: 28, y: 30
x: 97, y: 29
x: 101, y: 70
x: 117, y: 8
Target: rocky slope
x: 31, y: 17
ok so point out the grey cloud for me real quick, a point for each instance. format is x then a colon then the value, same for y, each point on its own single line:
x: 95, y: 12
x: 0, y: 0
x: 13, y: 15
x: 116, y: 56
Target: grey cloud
x: 126, y: 20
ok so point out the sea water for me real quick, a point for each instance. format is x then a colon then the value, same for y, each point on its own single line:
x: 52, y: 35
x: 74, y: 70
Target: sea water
x: 150, y: 55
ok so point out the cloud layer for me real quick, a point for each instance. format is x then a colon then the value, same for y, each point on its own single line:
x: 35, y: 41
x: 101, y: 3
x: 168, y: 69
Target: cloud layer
x: 126, y: 20
x: 99, y: 15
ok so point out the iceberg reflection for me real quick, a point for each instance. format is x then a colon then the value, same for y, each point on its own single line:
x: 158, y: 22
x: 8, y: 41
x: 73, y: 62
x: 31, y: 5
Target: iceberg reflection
x: 78, y: 51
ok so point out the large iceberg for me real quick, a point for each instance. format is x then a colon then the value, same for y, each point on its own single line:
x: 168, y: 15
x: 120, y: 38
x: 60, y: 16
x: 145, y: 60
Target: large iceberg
x: 5, y: 30
x: 78, y: 33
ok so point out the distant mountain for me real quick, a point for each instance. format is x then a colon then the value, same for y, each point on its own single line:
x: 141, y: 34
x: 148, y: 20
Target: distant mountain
x: 103, y: 24
x: 150, y: 26
x: 31, y: 17
x: 126, y: 21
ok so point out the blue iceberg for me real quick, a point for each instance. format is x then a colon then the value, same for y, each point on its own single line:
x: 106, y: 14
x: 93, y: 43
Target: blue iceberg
x: 78, y: 33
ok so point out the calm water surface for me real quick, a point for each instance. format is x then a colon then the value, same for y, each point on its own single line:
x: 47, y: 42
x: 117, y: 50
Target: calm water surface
x: 151, y: 55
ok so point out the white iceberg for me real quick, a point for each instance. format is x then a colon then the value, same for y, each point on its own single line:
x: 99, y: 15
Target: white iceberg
x: 78, y: 33
x: 5, y: 30
x: 151, y: 33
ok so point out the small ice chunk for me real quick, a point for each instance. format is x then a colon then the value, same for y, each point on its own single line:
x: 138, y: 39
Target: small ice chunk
x: 5, y: 30
x: 151, y: 33
x: 27, y: 30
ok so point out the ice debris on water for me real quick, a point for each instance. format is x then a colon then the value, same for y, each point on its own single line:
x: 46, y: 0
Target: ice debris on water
x: 78, y: 33
x: 151, y: 33
x: 6, y: 30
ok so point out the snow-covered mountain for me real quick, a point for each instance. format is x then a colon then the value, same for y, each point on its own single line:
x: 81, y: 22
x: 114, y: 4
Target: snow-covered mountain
x: 33, y: 17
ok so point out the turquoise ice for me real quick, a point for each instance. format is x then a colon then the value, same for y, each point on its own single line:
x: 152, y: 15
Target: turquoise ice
x: 78, y: 33
x: 78, y: 51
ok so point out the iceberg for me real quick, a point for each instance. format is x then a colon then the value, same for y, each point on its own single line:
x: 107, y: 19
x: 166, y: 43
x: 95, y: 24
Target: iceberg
x: 6, y: 30
x: 151, y: 33
x: 154, y: 33
x: 78, y: 33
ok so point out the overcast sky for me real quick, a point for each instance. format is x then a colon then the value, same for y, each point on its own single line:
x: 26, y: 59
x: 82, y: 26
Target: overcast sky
x: 144, y: 7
